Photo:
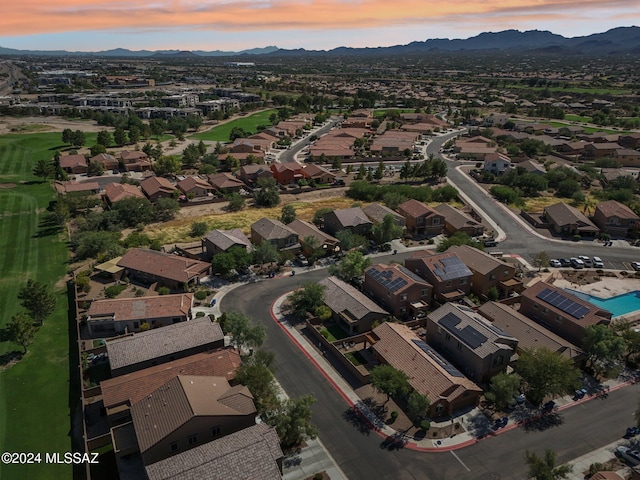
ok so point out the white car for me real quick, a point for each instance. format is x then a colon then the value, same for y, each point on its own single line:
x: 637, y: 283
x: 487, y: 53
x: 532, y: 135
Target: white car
x: 555, y: 263
x: 636, y: 266
x: 597, y: 262
x: 631, y: 456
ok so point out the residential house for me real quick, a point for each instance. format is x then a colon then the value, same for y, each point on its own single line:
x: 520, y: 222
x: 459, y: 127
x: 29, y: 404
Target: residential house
x: 135, y: 161
x: 136, y: 351
x: 226, y: 183
x: 402, y: 292
x: 529, y: 333
x: 318, y: 174
x: 250, y: 174
x: 75, y: 164
x: 428, y: 372
x: 571, y: 149
x: 496, y: 163
x: 323, y: 240
x: 567, y: 220
x: 119, y: 393
x: 77, y: 187
x: 107, y: 161
x: 114, y: 192
x: 351, y: 308
x: 125, y: 315
x: 627, y: 157
x: 631, y: 140
x: 600, y: 150
x: 220, y: 241
x: 173, y: 271
x: 615, y: 218
x: 253, y: 452
x: 445, y: 272
x: 421, y: 219
x: 287, y: 173
x: 352, y: 219
x: 488, y: 271
x: 157, y: 187
x: 376, y: 213
x: 477, y: 347
x: 187, y: 411
x: 275, y: 232
x: 533, y: 167
x: 195, y: 187
x: 561, y: 312
x: 457, y: 221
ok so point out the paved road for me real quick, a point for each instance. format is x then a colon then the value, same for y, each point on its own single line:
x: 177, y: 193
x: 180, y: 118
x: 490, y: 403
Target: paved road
x: 289, y: 155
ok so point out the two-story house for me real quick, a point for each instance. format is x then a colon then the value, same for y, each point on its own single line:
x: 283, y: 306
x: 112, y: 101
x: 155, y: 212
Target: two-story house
x: 402, y: 292
x: 568, y: 220
x: 219, y: 241
x: 615, y: 218
x: 376, y: 213
x: 157, y: 187
x: 458, y: 221
x: 275, y: 232
x: 352, y: 219
x: 449, y: 276
x: 421, y: 219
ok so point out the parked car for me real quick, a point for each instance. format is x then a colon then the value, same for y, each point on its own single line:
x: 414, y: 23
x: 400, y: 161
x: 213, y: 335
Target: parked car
x: 555, y: 263
x: 636, y: 266
x: 490, y: 243
x: 577, y: 263
x: 597, y: 262
x: 586, y: 260
x: 630, y: 456
x: 565, y: 262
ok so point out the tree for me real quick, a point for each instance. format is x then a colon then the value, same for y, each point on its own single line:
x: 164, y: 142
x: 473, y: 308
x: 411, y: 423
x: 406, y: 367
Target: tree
x: 256, y: 373
x: 236, y: 202
x: 119, y: 136
x: 362, y: 172
x: 541, y: 260
x: 393, y: 200
x: 167, y: 165
x: 603, y: 346
x: 104, y: 138
x: 38, y: 300
x: 387, y: 230
x: 349, y: 240
x: 268, y: 193
x: 96, y: 244
x: 95, y: 169
x: 241, y: 256
x: 307, y: 299
x: 379, y: 171
x: 293, y: 421
x: 352, y: 266
x: 493, y: 294
x: 388, y: 380
x: 190, y: 156
x: 157, y: 126
x: 165, y: 209
x: 318, y: 216
x: 631, y: 339
x: 238, y: 132
x: 198, y: 229
x: 545, y: 468
x: 76, y: 139
x: 288, y: 214
x: 243, y: 333
x: 417, y: 407
x: 43, y: 169
x: 265, y: 252
x: 67, y: 135
x: 502, y: 389
x: 21, y: 330
x: 223, y: 263
x: 459, y: 238
x: 134, y: 134
x: 132, y: 211
x: 545, y: 372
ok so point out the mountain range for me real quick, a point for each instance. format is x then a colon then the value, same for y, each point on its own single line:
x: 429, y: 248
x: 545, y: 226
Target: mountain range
x: 617, y: 41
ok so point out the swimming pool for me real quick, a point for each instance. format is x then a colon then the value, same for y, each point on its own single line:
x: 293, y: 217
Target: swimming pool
x: 619, y: 305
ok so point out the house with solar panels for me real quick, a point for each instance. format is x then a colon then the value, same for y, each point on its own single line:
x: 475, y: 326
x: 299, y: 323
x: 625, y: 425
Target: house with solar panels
x: 446, y: 272
x: 403, y: 293
x: 428, y: 372
x: 561, y: 312
x: 471, y: 342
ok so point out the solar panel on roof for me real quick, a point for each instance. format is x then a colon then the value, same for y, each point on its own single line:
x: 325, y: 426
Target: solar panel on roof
x: 453, y: 268
x: 385, y: 278
x: 468, y: 334
x: 450, y: 369
x: 563, y: 302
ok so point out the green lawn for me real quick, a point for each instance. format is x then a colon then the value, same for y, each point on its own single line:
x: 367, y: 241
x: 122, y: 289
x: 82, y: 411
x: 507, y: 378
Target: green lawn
x: 381, y: 112
x: 577, y: 118
x: 573, y: 89
x: 249, y: 123
x: 34, y: 393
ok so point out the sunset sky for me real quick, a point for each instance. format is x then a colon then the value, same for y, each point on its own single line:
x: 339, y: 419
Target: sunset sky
x: 90, y: 25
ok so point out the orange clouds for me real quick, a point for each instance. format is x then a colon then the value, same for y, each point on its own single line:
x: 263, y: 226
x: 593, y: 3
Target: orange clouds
x: 43, y: 16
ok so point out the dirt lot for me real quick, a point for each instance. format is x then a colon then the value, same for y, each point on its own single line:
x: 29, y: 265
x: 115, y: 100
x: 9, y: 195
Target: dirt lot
x: 46, y: 124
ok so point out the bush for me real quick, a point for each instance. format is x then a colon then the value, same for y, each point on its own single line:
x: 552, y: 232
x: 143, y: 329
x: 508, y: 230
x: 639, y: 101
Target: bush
x: 200, y: 295
x: 199, y: 314
x: 425, y: 425
x: 113, y: 291
x: 163, y: 291
x: 394, y: 415
x: 325, y: 333
x: 577, y: 238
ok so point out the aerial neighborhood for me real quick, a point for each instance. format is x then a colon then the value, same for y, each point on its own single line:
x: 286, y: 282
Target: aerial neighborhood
x: 248, y: 267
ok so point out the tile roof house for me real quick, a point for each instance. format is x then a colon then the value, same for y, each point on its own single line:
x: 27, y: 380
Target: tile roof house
x: 218, y: 241
x: 114, y: 192
x: 253, y: 453
x: 448, y: 275
x: 352, y: 219
x: 106, y: 161
x: 488, y: 271
x: 306, y: 230
x: 119, y: 393
x: 351, y: 308
x: 457, y: 221
x: 376, y: 213
x: 161, y: 345
x: 561, y: 312
x: 402, y: 292
x: 276, y: 232
x: 195, y: 186
x: 226, y: 183
x: 496, y: 163
x: 135, y: 161
x: 74, y: 163
x: 529, y: 333
x: 568, y: 220
x: 76, y: 187
x: 187, y: 411
x: 429, y: 373
x: 531, y: 166
x: 600, y: 150
x: 173, y: 271
x: 471, y: 342
x: 420, y: 218
x: 157, y: 187
x: 250, y: 174
x: 318, y: 174
x: 125, y: 315
x: 615, y: 218
x: 287, y: 173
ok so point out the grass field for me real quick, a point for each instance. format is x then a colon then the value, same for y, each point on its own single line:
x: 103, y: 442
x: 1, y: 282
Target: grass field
x: 35, y: 392
x: 577, y: 118
x: 249, y: 123
x: 607, y: 131
x: 573, y: 89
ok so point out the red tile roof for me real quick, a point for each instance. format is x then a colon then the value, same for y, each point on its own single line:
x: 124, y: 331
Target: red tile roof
x: 163, y: 265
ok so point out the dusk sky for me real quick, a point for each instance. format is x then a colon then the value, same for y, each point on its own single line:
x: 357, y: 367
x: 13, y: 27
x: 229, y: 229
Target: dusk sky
x: 90, y: 25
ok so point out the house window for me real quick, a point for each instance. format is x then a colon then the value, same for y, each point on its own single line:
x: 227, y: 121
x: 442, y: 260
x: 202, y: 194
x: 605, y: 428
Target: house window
x: 463, y: 281
x: 435, y: 221
x: 215, y: 431
x: 173, y: 446
x: 403, y: 310
x: 558, y: 318
x: 389, y: 293
x: 447, y: 336
x: 535, y: 305
x: 403, y: 297
x: 420, y: 220
x: 506, y: 273
x: 136, y: 324
x: 424, y: 292
x: 545, y: 310
x: 492, y: 276
x: 449, y: 283
x: 291, y: 240
x: 192, y: 439
x: 499, y: 360
x: 459, y: 346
